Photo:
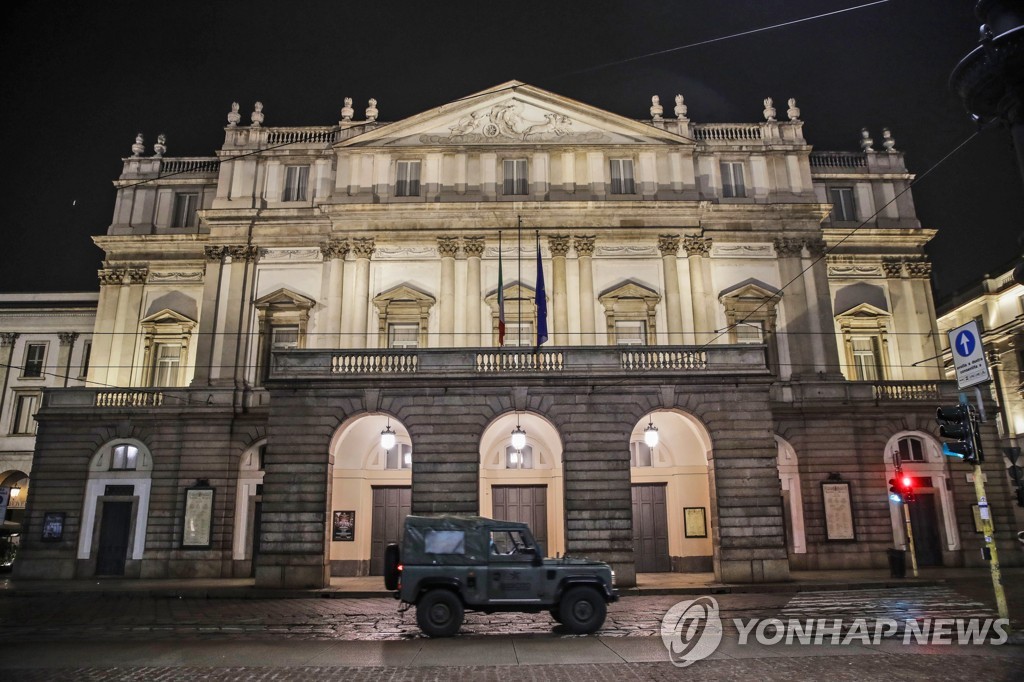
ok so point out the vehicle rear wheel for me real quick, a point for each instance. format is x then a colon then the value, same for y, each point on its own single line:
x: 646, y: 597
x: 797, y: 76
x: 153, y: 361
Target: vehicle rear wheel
x: 392, y: 557
x: 439, y: 613
x: 582, y: 610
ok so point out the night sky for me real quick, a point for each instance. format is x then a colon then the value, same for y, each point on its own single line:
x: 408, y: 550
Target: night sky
x: 80, y: 79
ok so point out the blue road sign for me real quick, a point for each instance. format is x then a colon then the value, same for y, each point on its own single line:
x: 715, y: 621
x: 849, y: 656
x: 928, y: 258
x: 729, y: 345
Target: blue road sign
x: 965, y: 343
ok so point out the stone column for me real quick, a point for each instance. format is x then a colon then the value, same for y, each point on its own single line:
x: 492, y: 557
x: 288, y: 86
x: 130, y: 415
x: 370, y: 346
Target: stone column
x: 920, y: 273
x: 668, y: 244
x: 363, y: 248
x: 126, y: 326
x: 110, y: 287
x: 796, y: 325
x: 697, y: 248
x: 473, y: 247
x: 814, y: 326
x: 822, y: 303
x: 559, y: 245
x: 67, y: 345
x: 208, y: 319
x: 584, y: 246
x: 230, y: 364
x: 7, y: 341
x: 447, y: 248
x: 334, y: 253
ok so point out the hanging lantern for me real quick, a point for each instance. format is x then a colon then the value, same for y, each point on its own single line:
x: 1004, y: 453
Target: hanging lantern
x: 651, y: 434
x: 387, y: 437
x: 518, y: 438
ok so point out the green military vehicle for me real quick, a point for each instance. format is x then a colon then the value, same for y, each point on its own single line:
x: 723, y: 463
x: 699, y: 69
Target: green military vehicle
x: 449, y: 564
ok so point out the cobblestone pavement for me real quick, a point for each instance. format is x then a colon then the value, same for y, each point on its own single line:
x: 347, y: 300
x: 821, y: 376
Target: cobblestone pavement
x: 139, y: 617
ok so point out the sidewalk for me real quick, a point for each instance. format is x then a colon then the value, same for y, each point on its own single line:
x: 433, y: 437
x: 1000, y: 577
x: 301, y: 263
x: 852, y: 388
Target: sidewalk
x: 373, y: 586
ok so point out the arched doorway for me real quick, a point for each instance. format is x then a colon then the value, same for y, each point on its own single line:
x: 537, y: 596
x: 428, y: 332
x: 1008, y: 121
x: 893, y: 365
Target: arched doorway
x: 792, y: 497
x: 932, y: 514
x: 524, y: 485
x: 371, y: 493
x: 115, y: 512
x: 671, y: 494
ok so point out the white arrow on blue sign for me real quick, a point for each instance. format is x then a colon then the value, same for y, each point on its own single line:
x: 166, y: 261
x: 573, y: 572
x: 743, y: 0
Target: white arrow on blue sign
x: 968, y: 355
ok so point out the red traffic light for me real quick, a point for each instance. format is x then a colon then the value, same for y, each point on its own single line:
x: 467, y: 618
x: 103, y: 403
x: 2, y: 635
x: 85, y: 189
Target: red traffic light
x: 907, y: 481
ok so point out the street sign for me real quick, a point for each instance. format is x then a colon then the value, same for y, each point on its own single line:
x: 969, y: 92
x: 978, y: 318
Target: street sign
x: 968, y: 355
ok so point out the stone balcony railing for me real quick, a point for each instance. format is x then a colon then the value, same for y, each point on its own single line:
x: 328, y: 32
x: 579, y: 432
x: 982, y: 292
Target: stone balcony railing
x: 876, y: 392
x: 564, y: 361
x: 153, y: 398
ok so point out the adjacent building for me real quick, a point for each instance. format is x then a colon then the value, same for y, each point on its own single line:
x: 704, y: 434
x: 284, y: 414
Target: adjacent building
x: 318, y: 330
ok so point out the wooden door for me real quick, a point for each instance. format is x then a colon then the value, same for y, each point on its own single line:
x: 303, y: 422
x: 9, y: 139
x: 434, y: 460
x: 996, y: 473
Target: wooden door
x: 525, y: 504
x: 927, y: 539
x: 390, y: 507
x: 114, y: 528
x: 650, y: 528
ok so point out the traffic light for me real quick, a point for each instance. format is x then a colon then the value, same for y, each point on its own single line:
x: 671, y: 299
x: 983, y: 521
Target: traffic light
x: 1017, y: 476
x: 907, y: 488
x: 895, y: 492
x: 957, y: 422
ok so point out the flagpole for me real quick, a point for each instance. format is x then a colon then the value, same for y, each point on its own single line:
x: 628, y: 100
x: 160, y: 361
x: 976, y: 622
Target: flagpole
x: 519, y: 298
x: 501, y: 298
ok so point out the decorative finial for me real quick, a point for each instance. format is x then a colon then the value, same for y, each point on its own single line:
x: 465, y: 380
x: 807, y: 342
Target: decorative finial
x: 769, y: 110
x: 160, y: 148
x: 888, y: 142
x: 794, y: 111
x: 233, y: 116
x: 656, y: 109
x: 347, y: 111
x: 257, y: 115
x: 138, y: 148
x: 866, y: 141
x: 371, y: 111
x: 680, y: 109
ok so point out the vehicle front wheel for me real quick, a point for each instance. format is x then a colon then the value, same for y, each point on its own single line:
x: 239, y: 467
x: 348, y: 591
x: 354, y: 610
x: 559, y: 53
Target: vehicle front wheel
x: 556, y: 615
x: 582, y: 610
x: 439, y: 613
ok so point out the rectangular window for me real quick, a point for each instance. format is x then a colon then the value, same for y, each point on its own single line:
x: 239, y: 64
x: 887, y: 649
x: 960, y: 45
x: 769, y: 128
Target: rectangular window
x: 748, y: 332
x: 407, y: 179
x: 622, y: 176
x: 630, y: 332
x: 86, y: 352
x: 166, y: 360
x: 867, y: 359
x: 444, y: 542
x: 639, y: 454
x: 185, y: 204
x: 732, y: 179
x: 519, y: 459
x: 515, y: 177
x: 842, y: 203
x: 399, y: 457
x: 519, y: 334
x: 35, y: 354
x: 124, y: 458
x: 24, y: 411
x: 284, y: 337
x: 296, y: 182
x: 403, y: 335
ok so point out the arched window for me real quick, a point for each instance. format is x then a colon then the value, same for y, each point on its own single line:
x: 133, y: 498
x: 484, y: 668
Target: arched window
x: 124, y: 457
x: 640, y: 455
x: 399, y: 457
x: 911, y: 449
x: 519, y: 459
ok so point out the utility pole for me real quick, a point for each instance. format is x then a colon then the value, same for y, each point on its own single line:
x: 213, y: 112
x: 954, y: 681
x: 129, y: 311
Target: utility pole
x: 906, y: 499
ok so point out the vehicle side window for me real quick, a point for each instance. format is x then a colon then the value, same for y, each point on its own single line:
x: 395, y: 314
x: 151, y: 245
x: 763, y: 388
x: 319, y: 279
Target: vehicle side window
x: 508, y: 544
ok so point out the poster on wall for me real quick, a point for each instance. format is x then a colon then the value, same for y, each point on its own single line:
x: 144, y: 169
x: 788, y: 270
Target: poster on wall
x: 53, y: 526
x: 838, y: 511
x: 197, y: 530
x: 344, y: 526
x: 695, y: 522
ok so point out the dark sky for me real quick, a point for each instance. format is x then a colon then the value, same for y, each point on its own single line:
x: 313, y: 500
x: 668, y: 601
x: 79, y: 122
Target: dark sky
x: 80, y: 79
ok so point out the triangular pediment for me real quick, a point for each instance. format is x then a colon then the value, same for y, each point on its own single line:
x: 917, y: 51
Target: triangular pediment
x: 514, y: 113
x: 284, y: 298
x: 750, y: 289
x: 629, y: 290
x: 864, y: 310
x: 168, y: 317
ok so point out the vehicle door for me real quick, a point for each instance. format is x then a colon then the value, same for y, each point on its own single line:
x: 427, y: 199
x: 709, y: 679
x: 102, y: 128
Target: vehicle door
x: 511, y: 575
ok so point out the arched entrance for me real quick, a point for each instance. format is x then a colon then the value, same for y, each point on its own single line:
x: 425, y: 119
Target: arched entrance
x: 14, y: 489
x: 524, y: 485
x: 671, y: 494
x: 371, y: 493
x: 932, y: 514
x: 792, y: 497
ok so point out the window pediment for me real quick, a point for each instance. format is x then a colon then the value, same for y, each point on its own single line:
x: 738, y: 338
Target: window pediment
x: 284, y: 299
x: 630, y: 291
x: 404, y: 296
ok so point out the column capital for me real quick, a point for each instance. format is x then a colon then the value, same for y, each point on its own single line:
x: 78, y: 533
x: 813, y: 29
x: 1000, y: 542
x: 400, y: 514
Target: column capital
x: 8, y: 338
x: 137, y: 275
x: 214, y: 253
x: 893, y: 267
x: 243, y: 252
x: 67, y: 338
x: 789, y: 247
x: 335, y: 248
x: 448, y: 247
x: 363, y: 247
x: 697, y: 246
x: 473, y: 247
x: 921, y: 269
x: 110, y: 276
x: 816, y: 247
x: 584, y: 245
x: 559, y: 245
x: 668, y: 244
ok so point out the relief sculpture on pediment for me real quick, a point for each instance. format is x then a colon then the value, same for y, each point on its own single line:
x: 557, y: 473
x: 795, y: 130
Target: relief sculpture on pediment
x: 506, y: 122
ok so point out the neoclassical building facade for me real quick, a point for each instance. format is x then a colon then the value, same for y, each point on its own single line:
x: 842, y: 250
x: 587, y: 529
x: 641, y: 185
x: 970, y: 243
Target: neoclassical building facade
x: 269, y: 312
